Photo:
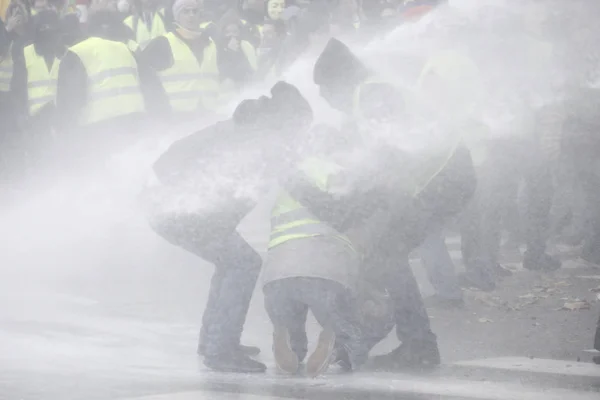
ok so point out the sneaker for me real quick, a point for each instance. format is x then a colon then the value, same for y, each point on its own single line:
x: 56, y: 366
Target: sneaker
x: 342, y: 358
x: 415, y: 356
x: 319, y: 360
x: 285, y: 358
x: 250, y: 351
x: 233, y: 362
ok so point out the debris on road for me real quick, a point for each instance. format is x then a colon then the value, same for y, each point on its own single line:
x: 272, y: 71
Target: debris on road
x: 575, y: 305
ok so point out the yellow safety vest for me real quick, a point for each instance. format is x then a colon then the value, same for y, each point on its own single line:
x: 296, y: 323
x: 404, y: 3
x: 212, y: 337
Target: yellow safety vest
x: 41, y: 82
x: 290, y: 220
x: 6, y: 71
x: 113, y: 82
x: 142, y: 35
x: 188, y: 85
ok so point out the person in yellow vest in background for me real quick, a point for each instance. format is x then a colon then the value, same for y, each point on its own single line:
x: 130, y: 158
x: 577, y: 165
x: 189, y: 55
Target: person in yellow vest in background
x: 252, y: 15
x: 15, y: 35
x: 147, y: 21
x: 99, y: 90
x: 185, y: 61
x: 37, y: 75
x: 236, y: 57
x: 425, y: 186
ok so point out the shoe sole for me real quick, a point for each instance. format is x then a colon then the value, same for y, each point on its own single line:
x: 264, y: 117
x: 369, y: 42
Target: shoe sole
x: 319, y: 360
x: 285, y: 358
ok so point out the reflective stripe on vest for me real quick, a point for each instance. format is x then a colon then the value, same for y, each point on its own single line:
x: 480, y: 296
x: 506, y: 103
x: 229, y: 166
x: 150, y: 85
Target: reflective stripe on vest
x: 6, y: 71
x: 41, y: 82
x: 291, y: 220
x: 113, y: 83
x: 143, y: 36
x: 188, y: 85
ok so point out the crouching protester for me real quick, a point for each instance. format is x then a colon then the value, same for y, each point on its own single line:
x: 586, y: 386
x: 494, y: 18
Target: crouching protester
x: 205, y: 185
x: 312, y: 265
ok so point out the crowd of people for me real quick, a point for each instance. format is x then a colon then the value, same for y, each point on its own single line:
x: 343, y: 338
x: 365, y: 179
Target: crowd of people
x: 342, y: 231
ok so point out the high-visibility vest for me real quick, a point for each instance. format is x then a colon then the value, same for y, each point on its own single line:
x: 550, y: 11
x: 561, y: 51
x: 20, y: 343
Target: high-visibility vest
x: 290, y: 220
x: 6, y: 70
x: 41, y: 82
x: 113, y: 82
x: 142, y: 35
x: 191, y: 86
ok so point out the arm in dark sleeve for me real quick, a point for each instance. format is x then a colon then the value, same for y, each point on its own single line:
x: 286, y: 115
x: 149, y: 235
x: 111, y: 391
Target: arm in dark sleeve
x: 339, y: 212
x: 18, y: 83
x: 71, y: 91
x: 155, y: 97
x: 157, y: 54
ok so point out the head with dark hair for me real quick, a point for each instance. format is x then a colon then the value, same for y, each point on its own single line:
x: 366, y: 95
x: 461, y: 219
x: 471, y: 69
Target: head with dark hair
x: 285, y: 111
x: 46, y: 36
x: 338, y: 72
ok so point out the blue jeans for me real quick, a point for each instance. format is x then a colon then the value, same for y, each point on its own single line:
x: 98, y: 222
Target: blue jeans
x: 440, y: 267
x: 237, y: 267
x: 334, y: 306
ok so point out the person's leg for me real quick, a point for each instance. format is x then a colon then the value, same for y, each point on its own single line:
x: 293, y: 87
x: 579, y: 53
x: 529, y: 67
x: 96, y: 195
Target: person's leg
x: 419, y: 344
x: 440, y: 268
x: 336, y: 309
x: 539, y: 189
x: 237, y: 266
x: 288, y: 316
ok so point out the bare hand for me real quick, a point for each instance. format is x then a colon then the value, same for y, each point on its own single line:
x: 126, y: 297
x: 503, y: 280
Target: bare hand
x: 14, y: 22
x: 234, y: 44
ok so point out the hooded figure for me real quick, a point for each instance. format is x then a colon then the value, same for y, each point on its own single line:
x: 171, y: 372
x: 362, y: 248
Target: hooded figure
x: 205, y: 185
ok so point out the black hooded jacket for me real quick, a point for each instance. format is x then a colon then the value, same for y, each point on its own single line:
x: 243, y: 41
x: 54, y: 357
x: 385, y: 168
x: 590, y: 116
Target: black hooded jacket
x: 71, y: 95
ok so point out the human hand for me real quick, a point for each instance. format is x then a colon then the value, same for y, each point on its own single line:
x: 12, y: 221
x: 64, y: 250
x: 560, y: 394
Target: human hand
x: 233, y: 44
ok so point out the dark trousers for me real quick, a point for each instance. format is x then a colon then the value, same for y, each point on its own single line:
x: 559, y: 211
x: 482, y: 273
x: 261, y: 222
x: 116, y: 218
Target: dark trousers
x: 499, y: 179
x: 237, y: 266
x: 334, y: 306
x: 444, y: 197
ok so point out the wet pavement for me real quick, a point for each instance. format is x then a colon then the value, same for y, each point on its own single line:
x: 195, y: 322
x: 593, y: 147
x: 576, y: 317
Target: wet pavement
x: 121, y: 322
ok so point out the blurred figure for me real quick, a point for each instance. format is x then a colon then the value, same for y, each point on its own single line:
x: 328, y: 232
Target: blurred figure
x: 252, y: 14
x: 194, y: 205
x: 38, y: 78
x: 270, y: 50
x: 237, y: 62
x: 421, y: 193
x: 14, y: 36
x: 147, y: 21
x: 346, y: 18
x: 186, y: 63
x: 99, y: 99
